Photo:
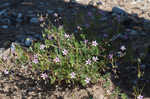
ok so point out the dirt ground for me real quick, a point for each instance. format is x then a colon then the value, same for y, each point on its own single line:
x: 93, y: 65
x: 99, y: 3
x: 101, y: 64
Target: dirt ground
x: 17, y: 85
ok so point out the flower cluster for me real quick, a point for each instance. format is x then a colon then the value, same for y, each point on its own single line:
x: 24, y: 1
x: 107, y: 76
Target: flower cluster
x: 65, y: 52
x: 72, y: 75
x: 94, y: 43
x: 35, y: 60
x: 42, y: 46
x: 140, y: 97
x: 44, y: 76
x: 87, y: 80
x: 57, y: 60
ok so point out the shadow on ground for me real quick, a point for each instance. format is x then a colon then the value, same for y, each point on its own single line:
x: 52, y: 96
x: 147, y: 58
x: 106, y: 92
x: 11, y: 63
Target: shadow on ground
x: 76, y: 18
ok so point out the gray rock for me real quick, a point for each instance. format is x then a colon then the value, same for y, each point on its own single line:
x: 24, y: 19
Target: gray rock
x: 28, y: 41
x: 133, y: 33
x: 19, y: 15
x: 84, y: 2
x: 6, y: 21
x: 20, y: 38
x: 143, y: 33
x: 103, y: 18
x: 94, y: 2
x: 60, y: 9
x: 19, y: 20
x: 4, y: 26
x: 3, y: 11
x: 34, y: 20
x: 29, y: 33
x: 38, y: 36
x: 4, y: 5
x: 50, y: 11
x: 118, y: 10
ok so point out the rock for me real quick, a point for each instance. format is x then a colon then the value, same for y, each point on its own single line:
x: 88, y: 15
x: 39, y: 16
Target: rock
x: 4, y: 26
x: 6, y: 21
x: 34, y: 20
x: 118, y: 10
x: 133, y: 33
x: 38, y: 36
x: 19, y: 15
x: 60, y: 9
x: 28, y: 41
x: 50, y: 11
x: 4, y: 5
x: 83, y: 2
x: 3, y: 11
x: 95, y: 2
x: 19, y: 20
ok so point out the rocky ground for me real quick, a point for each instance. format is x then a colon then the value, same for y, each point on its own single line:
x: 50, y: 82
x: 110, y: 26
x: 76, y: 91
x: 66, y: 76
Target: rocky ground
x: 19, y: 20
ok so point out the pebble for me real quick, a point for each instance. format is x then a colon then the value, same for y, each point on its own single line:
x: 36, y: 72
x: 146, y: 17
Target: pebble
x: 118, y: 10
x: 133, y: 32
x: 5, y: 5
x: 3, y: 11
x: 28, y: 41
x: 50, y: 11
x: 19, y: 15
x: 34, y: 20
x: 4, y: 26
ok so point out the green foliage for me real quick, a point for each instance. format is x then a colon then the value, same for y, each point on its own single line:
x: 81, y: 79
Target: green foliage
x: 62, y: 55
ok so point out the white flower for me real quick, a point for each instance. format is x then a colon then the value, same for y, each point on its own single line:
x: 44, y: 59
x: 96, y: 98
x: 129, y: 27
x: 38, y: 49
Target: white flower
x: 72, y: 75
x: 123, y: 48
x: 44, y: 76
x: 94, y: 58
x: 140, y: 97
x: 56, y: 60
x: 6, y: 72
x: 87, y: 80
x: 67, y: 35
x: 42, y: 46
x: 35, y: 61
x: 88, y: 62
x: 85, y: 41
x: 94, y: 43
x: 65, y: 52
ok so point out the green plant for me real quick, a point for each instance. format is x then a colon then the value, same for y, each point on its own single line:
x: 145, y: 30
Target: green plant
x: 66, y: 58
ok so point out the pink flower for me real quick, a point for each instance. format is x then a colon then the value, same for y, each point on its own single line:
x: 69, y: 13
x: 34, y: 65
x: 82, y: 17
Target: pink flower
x: 44, y: 76
x: 72, y: 75
x: 67, y: 35
x: 56, y: 60
x: 88, y: 62
x: 6, y: 72
x: 35, y: 56
x: 140, y: 97
x: 87, y: 80
x: 94, y: 43
x: 94, y: 58
x: 110, y: 56
x: 42, y: 46
x: 55, y: 14
x: 79, y: 28
x: 123, y: 48
x: 85, y: 41
x: 35, y: 61
x: 41, y: 19
x: 65, y: 52
x: 105, y: 35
